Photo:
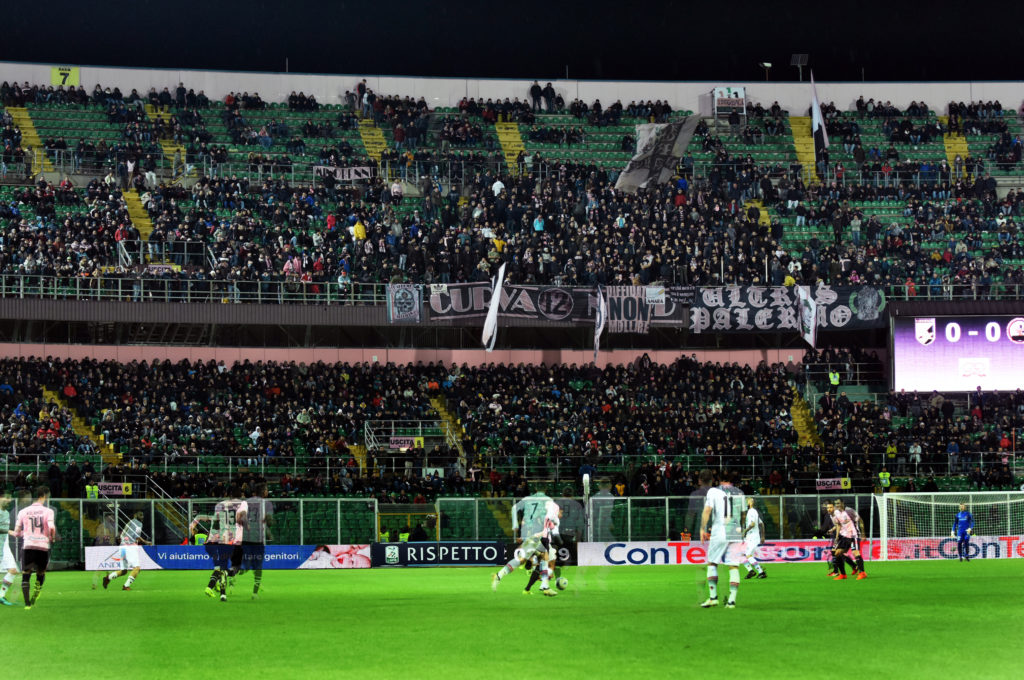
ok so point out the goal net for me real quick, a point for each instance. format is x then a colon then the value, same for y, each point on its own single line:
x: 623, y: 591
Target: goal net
x: 915, y: 526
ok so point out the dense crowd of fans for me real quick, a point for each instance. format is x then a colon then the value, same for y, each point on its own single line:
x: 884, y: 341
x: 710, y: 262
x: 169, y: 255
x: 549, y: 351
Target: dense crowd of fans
x: 647, y: 425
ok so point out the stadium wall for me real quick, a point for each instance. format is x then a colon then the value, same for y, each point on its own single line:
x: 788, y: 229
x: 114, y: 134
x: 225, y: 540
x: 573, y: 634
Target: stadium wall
x: 695, y: 96
x: 229, y: 355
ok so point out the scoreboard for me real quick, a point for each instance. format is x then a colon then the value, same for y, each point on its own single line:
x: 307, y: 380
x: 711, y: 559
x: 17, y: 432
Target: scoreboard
x: 958, y: 353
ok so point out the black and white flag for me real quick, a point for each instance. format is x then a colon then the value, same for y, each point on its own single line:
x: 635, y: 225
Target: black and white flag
x: 818, y: 130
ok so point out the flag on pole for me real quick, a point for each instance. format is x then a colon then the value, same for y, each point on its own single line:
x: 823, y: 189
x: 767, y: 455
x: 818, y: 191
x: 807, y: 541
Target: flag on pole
x: 491, y: 323
x: 818, y: 131
x: 808, y: 314
x: 600, y: 319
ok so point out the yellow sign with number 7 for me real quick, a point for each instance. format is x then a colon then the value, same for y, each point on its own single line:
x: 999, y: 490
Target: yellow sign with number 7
x: 64, y: 75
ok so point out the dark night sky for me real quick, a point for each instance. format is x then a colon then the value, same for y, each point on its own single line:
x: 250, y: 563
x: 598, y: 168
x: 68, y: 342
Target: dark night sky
x: 627, y: 40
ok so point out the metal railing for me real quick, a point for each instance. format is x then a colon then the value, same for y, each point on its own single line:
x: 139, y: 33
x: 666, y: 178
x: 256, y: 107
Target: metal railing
x: 170, y: 286
x: 163, y: 282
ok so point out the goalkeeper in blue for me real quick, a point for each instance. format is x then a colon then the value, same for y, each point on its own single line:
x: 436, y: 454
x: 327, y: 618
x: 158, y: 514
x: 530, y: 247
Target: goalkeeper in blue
x: 963, y: 527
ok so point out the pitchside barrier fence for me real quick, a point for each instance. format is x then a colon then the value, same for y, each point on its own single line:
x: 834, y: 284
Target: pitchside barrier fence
x: 604, y: 529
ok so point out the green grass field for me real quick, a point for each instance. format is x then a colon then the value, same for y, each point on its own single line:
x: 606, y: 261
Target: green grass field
x: 907, y: 620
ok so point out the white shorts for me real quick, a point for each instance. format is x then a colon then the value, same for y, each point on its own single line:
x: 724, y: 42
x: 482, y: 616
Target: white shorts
x: 721, y: 551
x: 130, y: 557
x: 7, y: 561
x: 750, y: 548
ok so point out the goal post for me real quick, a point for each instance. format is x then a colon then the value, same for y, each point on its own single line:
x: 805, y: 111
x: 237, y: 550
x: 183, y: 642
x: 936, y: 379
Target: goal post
x: 918, y: 525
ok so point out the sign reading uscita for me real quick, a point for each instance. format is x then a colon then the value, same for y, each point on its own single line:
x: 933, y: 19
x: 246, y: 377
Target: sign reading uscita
x: 65, y: 75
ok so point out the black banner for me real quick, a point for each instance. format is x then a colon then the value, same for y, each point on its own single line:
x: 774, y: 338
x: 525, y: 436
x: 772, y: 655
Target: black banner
x: 438, y: 554
x: 738, y: 309
x: 461, y: 301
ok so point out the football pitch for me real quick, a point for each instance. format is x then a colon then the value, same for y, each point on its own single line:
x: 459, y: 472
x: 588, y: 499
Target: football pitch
x: 907, y: 620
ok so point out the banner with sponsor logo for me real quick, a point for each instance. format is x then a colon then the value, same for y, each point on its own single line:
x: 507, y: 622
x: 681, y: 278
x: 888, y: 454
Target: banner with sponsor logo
x: 103, y: 558
x: 462, y: 301
x: 638, y: 553
x: 642, y: 553
x: 833, y: 484
x: 343, y: 174
x: 115, y: 488
x: 944, y: 548
x: 764, y: 308
x: 404, y: 302
x: 440, y: 554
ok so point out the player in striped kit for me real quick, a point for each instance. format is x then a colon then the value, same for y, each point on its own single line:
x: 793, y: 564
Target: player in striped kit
x: 227, y: 524
x: 36, y: 526
x: 131, y: 537
x: 752, y: 533
x: 8, y: 565
x: 723, y: 508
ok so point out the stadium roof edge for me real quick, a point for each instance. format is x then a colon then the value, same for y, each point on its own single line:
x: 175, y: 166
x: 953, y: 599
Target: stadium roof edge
x: 518, y: 79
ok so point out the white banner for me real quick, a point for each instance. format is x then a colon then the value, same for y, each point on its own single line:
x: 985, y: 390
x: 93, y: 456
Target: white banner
x: 491, y: 322
x: 808, y: 307
x: 343, y: 174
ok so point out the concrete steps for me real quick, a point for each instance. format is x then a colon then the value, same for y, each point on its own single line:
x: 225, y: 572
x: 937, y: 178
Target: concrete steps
x: 373, y: 139
x: 803, y: 143
x: 30, y: 139
x: 83, y: 429
x: 168, y: 146
x: 511, y: 143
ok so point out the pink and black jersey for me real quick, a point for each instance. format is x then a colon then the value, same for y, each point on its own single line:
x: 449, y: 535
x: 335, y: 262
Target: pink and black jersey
x: 36, y: 526
x: 846, y: 520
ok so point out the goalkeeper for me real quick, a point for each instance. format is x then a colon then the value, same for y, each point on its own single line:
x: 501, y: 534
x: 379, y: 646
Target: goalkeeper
x: 963, y: 527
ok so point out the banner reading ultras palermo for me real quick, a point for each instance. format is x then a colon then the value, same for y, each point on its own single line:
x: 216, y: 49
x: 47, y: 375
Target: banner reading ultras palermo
x: 103, y: 558
x: 774, y: 308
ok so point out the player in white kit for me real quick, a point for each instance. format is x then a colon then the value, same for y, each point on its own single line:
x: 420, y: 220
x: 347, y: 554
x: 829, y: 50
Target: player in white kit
x: 131, y: 538
x: 753, y: 530
x: 541, y: 517
x: 723, y: 510
x: 8, y: 565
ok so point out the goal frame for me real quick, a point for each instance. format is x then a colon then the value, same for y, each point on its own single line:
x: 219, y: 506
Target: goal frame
x: 883, y: 503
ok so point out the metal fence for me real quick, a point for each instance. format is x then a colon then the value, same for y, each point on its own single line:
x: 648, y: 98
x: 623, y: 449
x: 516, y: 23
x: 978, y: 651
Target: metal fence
x: 608, y: 518
x: 82, y: 522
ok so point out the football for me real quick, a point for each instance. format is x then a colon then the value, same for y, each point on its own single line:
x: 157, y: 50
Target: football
x: 562, y: 583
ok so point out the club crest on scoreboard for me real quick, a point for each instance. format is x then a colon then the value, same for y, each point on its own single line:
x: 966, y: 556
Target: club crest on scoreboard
x: 924, y: 331
x: 1015, y: 330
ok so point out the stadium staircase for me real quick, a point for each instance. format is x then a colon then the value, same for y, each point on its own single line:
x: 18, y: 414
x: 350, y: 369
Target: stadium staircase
x: 440, y: 405
x: 360, y: 453
x: 82, y: 429
x: 511, y: 143
x: 803, y: 421
x: 168, y: 146
x: 766, y: 218
x: 140, y: 218
x: 803, y: 142
x: 30, y: 139
x: 956, y: 144
x: 373, y: 139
